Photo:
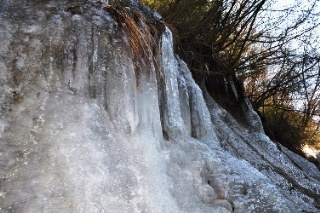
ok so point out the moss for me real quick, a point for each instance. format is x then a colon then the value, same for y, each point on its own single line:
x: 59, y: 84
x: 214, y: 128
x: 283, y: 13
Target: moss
x: 75, y: 10
x: 51, y: 10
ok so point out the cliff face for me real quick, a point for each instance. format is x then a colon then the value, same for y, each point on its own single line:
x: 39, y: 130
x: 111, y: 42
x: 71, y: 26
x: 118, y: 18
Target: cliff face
x: 84, y: 127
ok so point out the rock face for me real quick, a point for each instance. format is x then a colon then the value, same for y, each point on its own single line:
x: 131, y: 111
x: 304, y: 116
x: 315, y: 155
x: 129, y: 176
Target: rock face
x: 82, y: 131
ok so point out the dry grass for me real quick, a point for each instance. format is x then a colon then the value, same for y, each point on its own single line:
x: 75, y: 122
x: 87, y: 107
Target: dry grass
x: 220, y: 197
x: 140, y: 37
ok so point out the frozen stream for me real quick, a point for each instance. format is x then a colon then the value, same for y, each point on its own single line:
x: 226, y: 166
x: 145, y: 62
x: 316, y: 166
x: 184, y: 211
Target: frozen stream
x: 79, y: 132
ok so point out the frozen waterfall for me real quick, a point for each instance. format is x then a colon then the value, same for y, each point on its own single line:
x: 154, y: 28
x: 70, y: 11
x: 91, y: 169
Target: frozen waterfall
x: 79, y: 132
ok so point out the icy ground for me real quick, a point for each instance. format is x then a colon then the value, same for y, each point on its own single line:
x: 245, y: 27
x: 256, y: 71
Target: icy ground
x: 80, y: 133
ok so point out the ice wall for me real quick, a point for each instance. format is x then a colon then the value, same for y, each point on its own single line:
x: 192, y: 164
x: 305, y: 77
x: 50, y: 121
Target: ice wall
x: 78, y: 133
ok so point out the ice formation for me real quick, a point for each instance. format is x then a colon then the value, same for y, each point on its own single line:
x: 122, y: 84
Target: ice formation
x: 78, y: 135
